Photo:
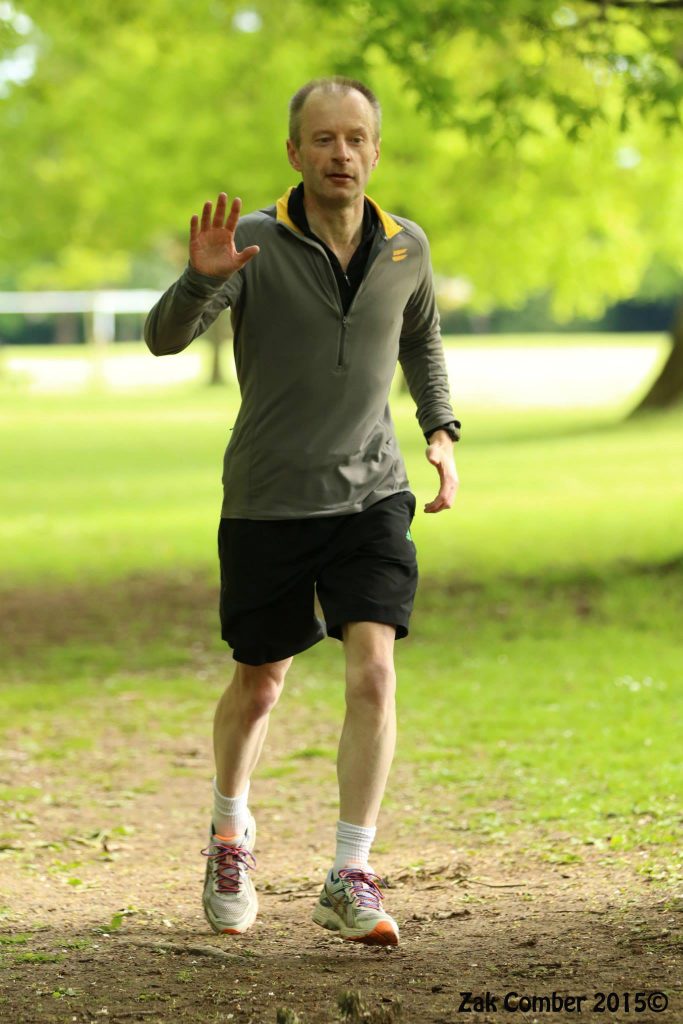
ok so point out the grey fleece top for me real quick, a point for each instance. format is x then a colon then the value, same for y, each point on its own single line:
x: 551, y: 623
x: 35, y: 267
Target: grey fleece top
x: 314, y: 434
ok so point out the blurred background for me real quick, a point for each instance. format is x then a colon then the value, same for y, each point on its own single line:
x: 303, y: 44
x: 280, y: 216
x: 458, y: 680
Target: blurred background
x: 539, y: 145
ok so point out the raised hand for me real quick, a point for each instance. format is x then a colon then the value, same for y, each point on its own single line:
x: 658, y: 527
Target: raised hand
x: 212, y: 243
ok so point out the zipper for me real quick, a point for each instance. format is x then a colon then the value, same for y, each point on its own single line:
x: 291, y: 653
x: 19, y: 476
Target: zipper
x: 380, y: 240
x: 342, y: 339
x: 335, y: 289
x: 374, y: 253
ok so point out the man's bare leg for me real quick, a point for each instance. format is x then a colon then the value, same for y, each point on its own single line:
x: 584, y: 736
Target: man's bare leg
x: 241, y: 722
x: 368, y: 739
x: 351, y: 901
x: 240, y: 726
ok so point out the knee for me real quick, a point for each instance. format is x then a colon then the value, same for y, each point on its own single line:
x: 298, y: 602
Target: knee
x: 259, y: 687
x: 371, y: 685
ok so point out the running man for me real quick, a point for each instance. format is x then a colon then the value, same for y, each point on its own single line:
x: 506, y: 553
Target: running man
x: 326, y: 293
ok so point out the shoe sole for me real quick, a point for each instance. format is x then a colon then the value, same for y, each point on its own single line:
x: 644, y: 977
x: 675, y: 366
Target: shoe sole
x: 383, y: 934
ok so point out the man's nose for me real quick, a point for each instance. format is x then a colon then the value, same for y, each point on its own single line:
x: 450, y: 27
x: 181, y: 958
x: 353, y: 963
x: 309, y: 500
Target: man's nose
x: 341, y: 149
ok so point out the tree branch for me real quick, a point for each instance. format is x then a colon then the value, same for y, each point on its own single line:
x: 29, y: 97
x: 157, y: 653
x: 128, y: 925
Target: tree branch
x: 650, y: 5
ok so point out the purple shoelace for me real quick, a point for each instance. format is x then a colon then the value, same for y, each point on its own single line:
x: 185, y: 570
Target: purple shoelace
x: 365, y: 886
x: 229, y: 860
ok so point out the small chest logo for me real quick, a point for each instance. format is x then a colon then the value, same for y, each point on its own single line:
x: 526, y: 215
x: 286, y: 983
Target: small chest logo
x: 398, y: 255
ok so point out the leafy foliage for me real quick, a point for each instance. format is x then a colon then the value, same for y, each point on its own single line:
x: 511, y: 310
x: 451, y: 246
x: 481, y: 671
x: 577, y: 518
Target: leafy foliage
x: 572, y: 57
x: 529, y: 140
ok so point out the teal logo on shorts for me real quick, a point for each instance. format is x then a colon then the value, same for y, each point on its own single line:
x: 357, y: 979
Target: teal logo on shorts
x: 408, y: 534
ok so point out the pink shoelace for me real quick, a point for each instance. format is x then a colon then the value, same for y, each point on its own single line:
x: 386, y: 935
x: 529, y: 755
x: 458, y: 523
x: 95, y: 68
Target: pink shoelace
x: 365, y: 886
x: 229, y: 860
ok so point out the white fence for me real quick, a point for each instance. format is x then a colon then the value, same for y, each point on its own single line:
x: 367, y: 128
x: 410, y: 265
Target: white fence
x: 576, y: 373
x: 101, y: 306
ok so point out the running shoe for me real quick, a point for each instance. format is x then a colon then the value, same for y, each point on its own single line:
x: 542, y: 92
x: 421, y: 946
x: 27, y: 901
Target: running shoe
x: 351, y: 904
x: 230, y: 900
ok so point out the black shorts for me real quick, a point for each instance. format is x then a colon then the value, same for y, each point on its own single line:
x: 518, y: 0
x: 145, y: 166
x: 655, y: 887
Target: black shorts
x: 363, y: 567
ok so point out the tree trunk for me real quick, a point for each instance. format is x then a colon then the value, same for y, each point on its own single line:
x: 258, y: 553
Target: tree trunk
x: 667, y: 389
x: 66, y: 329
x: 214, y: 336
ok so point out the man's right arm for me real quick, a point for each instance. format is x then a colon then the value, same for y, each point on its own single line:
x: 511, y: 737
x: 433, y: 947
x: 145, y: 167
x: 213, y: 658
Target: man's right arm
x: 210, y: 283
x: 187, y: 309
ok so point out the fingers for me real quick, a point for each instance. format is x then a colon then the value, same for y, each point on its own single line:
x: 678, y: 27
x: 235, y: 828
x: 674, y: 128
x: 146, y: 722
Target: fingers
x: 206, y: 216
x: 247, y: 254
x: 448, y: 478
x: 207, y: 221
x: 436, y: 506
x: 442, y: 501
x: 444, y: 498
x: 219, y: 232
x: 234, y: 215
x: 218, y: 216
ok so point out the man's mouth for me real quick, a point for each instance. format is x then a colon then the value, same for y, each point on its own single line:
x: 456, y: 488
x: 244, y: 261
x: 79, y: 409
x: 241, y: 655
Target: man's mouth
x: 341, y: 177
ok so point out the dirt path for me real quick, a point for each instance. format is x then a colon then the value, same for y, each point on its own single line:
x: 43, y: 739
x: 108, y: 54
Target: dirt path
x: 101, y: 873
x: 129, y: 943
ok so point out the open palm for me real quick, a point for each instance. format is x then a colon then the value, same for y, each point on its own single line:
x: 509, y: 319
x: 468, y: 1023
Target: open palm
x: 212, y: 241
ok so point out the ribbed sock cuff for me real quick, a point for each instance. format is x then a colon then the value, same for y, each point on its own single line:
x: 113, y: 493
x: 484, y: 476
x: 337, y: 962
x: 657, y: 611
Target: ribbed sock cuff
x: 230, y: 813
x: 353, y: 845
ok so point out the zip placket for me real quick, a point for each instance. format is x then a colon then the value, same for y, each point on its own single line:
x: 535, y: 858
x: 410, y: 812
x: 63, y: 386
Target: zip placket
x: 342, y: 340
x: 344, y: 316
x: 374, y: 253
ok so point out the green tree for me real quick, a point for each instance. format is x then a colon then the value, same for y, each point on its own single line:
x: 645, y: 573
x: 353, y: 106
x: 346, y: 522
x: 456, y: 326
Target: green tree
x: 501, y: 73
x: 537, y: 144
x: 575, y: 58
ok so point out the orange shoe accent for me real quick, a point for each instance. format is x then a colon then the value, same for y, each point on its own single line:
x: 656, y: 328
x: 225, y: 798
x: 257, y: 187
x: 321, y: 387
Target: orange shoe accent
x: 381, y: 935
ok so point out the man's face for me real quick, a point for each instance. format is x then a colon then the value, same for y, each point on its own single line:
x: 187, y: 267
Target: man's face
x: 337, y: 150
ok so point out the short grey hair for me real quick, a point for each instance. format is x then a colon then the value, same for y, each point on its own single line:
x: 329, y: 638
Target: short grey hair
x: 335, y: 83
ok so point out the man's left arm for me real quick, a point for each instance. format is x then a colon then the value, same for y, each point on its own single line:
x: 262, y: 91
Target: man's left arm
x: 422, y: 359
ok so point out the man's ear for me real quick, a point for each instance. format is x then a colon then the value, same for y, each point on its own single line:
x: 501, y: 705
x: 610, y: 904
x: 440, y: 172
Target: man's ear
x: 376, y: 158
x: 293, y: 156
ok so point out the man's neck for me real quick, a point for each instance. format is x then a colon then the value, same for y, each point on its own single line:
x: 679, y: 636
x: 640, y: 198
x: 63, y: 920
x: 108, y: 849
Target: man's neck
x: 339, y: 227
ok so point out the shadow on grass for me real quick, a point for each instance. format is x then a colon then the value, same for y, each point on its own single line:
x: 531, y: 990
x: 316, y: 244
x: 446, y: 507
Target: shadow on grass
x: 154, y: 620
x: 533, y: 428
x: 558, y: 579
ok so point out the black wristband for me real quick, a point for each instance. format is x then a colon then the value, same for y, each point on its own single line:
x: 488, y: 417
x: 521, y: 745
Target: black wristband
x: 452, y: 429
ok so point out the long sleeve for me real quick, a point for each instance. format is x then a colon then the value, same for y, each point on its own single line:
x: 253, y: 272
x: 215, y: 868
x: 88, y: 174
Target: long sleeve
x: 421, y: 353
x: 187, y: 309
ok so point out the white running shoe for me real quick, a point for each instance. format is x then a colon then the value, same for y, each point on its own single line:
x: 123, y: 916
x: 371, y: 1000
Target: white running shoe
x: 351, y: 903
x: 230, y: 900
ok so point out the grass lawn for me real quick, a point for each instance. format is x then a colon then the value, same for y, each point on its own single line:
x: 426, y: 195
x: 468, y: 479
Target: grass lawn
x: 539, y: 690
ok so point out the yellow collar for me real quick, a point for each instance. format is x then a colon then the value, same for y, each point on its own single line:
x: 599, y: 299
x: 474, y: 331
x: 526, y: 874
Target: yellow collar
x: 390, y: 226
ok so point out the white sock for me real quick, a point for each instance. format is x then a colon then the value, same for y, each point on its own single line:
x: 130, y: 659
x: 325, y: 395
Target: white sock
x: 353, y: 846
x: 230, y: 813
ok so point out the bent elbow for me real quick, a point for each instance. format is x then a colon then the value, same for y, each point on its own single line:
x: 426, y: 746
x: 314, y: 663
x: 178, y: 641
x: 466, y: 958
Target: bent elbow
x: 150, y: 336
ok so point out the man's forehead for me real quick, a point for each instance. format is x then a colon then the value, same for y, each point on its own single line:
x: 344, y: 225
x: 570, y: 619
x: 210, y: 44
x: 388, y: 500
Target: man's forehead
x: 325, y: 106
